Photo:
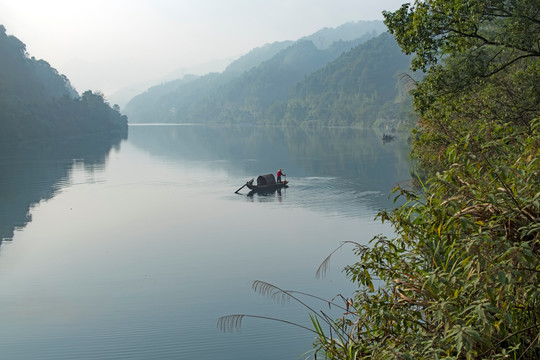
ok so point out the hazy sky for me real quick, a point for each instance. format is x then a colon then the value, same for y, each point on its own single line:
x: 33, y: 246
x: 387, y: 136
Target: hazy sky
x: 107, y: 45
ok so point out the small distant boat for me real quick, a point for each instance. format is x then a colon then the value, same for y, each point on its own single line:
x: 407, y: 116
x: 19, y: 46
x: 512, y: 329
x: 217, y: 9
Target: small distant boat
x: 387, y: 137
x: 265, y: 183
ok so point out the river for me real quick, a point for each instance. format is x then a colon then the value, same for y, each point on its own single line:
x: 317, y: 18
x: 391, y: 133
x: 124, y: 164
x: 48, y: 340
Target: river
x: 133, y: 248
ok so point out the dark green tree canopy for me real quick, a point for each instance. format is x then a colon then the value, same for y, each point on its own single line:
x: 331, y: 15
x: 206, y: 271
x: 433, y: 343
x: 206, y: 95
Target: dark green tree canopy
x: 504, y: 30
x: 483, y: 53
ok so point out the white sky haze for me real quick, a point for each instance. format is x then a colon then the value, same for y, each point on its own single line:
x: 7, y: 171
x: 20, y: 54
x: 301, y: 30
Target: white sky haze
x: 107, y: 45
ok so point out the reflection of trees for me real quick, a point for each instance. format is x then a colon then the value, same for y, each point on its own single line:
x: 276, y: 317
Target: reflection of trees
x: 34, y: 172
x: 354, y: 154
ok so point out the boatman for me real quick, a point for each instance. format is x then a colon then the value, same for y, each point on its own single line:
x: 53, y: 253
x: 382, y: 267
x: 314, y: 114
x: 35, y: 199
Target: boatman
x: 279, y: 173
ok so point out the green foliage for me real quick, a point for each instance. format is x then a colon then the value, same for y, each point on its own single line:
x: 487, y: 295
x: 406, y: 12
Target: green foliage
x: 460, y: 278
x: 358, y: 88
x: 38, y: 103
x: 490, y: 34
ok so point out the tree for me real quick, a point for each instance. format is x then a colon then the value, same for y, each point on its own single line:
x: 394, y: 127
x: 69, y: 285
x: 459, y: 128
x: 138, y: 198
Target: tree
x: 505, y: 30
x: 480, y: 53
x: 460, y: 278
x: 36, y: 102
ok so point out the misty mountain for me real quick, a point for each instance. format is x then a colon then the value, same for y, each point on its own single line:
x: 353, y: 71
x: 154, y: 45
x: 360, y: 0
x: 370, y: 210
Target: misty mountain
x: 124, y: 95
x: 325, y: 37
x: 257, y: 56
x: 262, y: 76
x: 361, y: 87
x: 162, y: 102
x: 248, y: 98
x: 36, y: 102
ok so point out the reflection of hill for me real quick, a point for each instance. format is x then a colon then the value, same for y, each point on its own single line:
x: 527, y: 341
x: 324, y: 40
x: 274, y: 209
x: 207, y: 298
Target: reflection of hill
x: 357, y: 156
x: 35, y: 172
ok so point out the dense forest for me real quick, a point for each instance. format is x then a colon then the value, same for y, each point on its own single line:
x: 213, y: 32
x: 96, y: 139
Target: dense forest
x: 36, y: 102
x: 344, y: 76
x: 460, y: 279
x: 361, y: 87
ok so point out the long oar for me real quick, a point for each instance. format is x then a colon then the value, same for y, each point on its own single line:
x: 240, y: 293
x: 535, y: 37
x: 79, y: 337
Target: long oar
x: 236, y: 192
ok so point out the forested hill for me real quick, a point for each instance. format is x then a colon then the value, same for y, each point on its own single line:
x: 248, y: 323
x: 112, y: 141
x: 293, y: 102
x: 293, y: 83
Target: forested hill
x: 161, y: 103
x: 251, y: 97
x: 325, y: 37
x: 37, y: 102
x: 360, y: 88
x: 253, y: 89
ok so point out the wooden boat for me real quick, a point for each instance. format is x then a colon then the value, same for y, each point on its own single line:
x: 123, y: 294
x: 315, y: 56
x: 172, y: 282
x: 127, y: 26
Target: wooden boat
x: 265, y: 183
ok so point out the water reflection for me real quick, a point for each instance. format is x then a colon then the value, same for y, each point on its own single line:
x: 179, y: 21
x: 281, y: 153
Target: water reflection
x: 141, y: 263
x: 267, y: 196
x: 351, y: 170
x: 35, y: 172
x: 348, y: 168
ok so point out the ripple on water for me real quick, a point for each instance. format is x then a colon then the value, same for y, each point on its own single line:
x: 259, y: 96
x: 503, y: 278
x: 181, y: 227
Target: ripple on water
x: 334, y: 196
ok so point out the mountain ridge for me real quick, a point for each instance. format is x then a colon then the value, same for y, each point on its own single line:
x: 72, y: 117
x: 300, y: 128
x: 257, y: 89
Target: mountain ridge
x: 180, y: 105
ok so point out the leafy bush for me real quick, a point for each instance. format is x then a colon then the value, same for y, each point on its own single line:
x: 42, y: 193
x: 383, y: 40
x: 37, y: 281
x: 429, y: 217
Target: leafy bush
x: 460, y: 280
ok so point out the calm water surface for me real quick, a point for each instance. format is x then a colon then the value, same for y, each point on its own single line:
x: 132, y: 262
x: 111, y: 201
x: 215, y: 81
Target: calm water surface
x: 132, y: 249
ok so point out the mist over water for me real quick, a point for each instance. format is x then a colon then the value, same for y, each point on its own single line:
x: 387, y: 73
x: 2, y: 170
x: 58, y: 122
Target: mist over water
x: 136, y: 249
